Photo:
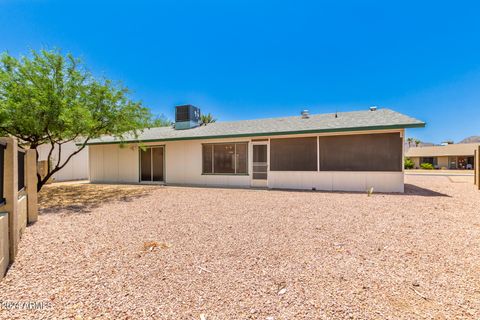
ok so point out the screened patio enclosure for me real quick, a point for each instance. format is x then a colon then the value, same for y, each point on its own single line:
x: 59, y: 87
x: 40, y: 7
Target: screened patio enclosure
x: 363, y: 152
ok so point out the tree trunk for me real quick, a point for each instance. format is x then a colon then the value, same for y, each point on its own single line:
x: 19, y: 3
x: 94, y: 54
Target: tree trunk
x: 34, y: 146
x: 41, y: 182
x: 58, y: 167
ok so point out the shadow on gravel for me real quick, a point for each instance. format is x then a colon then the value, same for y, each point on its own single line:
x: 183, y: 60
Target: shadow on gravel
x: 411, y: 189
x: 82, y: 198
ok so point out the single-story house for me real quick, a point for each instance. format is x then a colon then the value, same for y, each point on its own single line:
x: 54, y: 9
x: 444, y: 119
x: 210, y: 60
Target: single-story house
x: 351, y: 151
x: 450, y: 156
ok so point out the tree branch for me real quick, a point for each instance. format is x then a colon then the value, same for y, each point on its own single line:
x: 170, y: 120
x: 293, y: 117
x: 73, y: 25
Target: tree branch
x: 58, y: 168
x: 65, y: 141
x: 50, y: 154
x: 84, y: 144
x: 59, y: 154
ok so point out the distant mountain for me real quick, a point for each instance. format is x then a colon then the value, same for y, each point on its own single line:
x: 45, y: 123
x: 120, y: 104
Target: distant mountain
x: 472, y: 139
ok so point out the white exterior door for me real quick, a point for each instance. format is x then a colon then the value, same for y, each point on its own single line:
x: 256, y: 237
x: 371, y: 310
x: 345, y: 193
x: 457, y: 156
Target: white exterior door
x: 260, y: 164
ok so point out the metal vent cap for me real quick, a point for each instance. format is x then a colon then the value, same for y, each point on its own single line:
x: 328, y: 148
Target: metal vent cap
x: 305, y: 114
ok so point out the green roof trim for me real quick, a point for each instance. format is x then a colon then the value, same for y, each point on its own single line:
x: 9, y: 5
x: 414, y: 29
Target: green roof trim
x: 263, y: 134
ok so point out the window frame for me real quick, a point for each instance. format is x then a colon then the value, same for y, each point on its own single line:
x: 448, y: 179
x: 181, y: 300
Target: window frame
x: 151, y: 164
x: 213, y: 173
x: 21, y: 157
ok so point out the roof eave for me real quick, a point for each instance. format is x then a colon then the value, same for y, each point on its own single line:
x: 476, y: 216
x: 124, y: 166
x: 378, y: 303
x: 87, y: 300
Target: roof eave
x: 263, y: 134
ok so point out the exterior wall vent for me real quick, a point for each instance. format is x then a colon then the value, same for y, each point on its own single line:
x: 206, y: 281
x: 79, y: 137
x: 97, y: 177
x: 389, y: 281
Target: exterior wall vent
x: 186, y: 117
x: 305, y: 114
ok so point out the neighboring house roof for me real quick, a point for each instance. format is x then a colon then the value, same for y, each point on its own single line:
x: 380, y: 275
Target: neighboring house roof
x: 345, y: 121
x: 463, y: 149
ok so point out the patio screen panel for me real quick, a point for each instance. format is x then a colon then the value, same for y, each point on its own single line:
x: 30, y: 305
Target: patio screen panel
x: 293, y: 154
x: 241, y: 158
x: 364, y: 152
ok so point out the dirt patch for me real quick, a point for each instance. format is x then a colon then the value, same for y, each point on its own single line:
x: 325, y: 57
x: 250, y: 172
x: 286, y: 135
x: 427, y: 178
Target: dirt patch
x: 80, y: 198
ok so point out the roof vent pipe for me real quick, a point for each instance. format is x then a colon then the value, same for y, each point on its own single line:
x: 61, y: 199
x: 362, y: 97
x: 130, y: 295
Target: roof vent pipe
x: 373, y: 108
x: 305, y: 114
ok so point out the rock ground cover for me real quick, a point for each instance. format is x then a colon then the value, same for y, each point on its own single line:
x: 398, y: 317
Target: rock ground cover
x: 152, y: 252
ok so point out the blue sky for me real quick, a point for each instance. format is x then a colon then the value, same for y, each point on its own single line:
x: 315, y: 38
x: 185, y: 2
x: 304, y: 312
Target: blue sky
x: 254, y: 59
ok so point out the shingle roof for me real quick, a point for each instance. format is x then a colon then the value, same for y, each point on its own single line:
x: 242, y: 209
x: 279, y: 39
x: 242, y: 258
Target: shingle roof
x: 462, y: 149
x: 345, y: 121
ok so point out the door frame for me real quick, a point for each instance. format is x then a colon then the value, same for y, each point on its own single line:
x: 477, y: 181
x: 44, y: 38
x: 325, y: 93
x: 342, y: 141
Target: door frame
x: 261, y: 183
x: 151, y: 164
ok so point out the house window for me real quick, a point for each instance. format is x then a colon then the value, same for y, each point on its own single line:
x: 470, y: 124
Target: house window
x: 363, y: 152
x: 293, y: 154
x: 225, y: 158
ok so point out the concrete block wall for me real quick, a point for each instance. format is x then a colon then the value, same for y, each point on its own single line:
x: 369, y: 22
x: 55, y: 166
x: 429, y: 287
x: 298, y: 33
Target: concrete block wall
x: 4, y: 249
x: 19, y: 207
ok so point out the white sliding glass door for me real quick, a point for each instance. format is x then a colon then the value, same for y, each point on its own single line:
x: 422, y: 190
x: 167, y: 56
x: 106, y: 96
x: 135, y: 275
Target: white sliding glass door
x: 152, y: 164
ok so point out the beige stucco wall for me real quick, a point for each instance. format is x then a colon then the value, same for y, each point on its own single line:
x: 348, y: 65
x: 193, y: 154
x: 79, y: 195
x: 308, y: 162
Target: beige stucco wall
x: 22, y: 214
x: 4, y: 259
x: 183, y: 165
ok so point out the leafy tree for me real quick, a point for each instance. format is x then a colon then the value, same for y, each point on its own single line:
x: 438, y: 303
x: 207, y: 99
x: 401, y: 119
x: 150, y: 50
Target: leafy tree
x: 50, y: 98
x: 417, y: 142
x: 161, y: 121
x: 206, y: 119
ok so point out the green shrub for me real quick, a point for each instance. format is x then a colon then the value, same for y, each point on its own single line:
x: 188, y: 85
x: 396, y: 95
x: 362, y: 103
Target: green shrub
x: 427, y: 166
x: 408, y: 163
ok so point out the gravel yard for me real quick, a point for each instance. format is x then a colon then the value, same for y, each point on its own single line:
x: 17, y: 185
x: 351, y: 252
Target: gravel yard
x: 134, y: 252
